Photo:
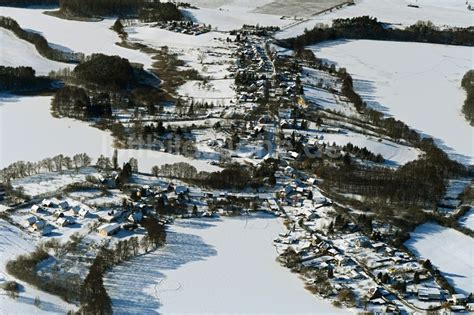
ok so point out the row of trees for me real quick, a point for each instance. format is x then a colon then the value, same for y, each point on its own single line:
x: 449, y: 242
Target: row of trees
x: 41, y: 44
x: 468, y: 85
x: 93, y: 295
x: 232, y: 177
x: 395, y: 187
x: 20, y: 79
x: 27, y: 3
x: 74, y: 102
x: 58, y: 163
x: 366, y: 27
x: 145, y: 10
x: 363, y: 153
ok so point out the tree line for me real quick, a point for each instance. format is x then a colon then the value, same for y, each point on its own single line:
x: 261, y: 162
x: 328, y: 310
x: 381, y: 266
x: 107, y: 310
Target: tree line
x: 468, y: 85
x: 41, y: 44
x: 22, y: 79
x: 93, y: 295
x: 145, y: 10
x: 395, y: 187
x: 366, y: 27
x: 27, y: 3
x: 58, y: 163
x: 232, y: 177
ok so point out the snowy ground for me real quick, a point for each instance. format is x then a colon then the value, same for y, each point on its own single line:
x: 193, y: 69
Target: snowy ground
x: 440, y: 12
x: 229, y: 18
x: 467, y: 220
x: 39, y: 136
x: 14, y: 242
x: 198, y: 272
x: 414, y: 82
x: 85, y: 37
x: 50, y: 182
x: 395, y: 154
x: 15, y: 52
x: 449, y: 250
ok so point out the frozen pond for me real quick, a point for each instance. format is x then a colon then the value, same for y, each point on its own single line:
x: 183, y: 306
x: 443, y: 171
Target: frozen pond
x: 419, y: 84
x: 213, y: 266
x: 28, y: 132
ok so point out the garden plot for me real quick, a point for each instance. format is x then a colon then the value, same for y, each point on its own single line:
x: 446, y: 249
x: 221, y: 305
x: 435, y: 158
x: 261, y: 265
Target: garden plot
x: 417, y: 83
x: 15, y: 52
x: 447, y: 249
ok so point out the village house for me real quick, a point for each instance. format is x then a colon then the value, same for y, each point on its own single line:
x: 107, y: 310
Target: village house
x: 48, y: 203
x: 38, y: 225
x: 429, y: 294
x: 36, y: 209
x: 30, y: 220
x: 83, y: 213
x: 135, y: 217
x: 64, y: 205
x: 458, y: 299
x: 108, y: 229
x: 63, y: 221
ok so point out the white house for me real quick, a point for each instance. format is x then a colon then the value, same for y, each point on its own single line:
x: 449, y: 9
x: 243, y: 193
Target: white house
x: 83, y: 213
x: 108, y: 229
x: 35, y: 209
x: 62, y: 221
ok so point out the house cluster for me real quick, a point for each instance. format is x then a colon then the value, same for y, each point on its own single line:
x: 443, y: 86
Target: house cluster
x: 53, y: 213
x: 367, y: 266
x: 184, y: 27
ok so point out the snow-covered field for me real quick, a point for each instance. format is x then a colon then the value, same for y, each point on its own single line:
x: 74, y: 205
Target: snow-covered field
x: 14, y: 242
x: 50, y: 182
x: 395, y: 154
x: 29, y: 133
x: 15, y: 52
x: 441, y: 12
x: 449, y: 250
x: 213, y: 266
x: 415, y: 82
x: 228, y: 18
x: 85, y: 37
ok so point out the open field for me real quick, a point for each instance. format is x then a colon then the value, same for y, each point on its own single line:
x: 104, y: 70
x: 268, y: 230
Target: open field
x: 213, y: 266
x: 417, y: 83
x: 15, y: 52
x: 299, y: 8
x: 447, y: 249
